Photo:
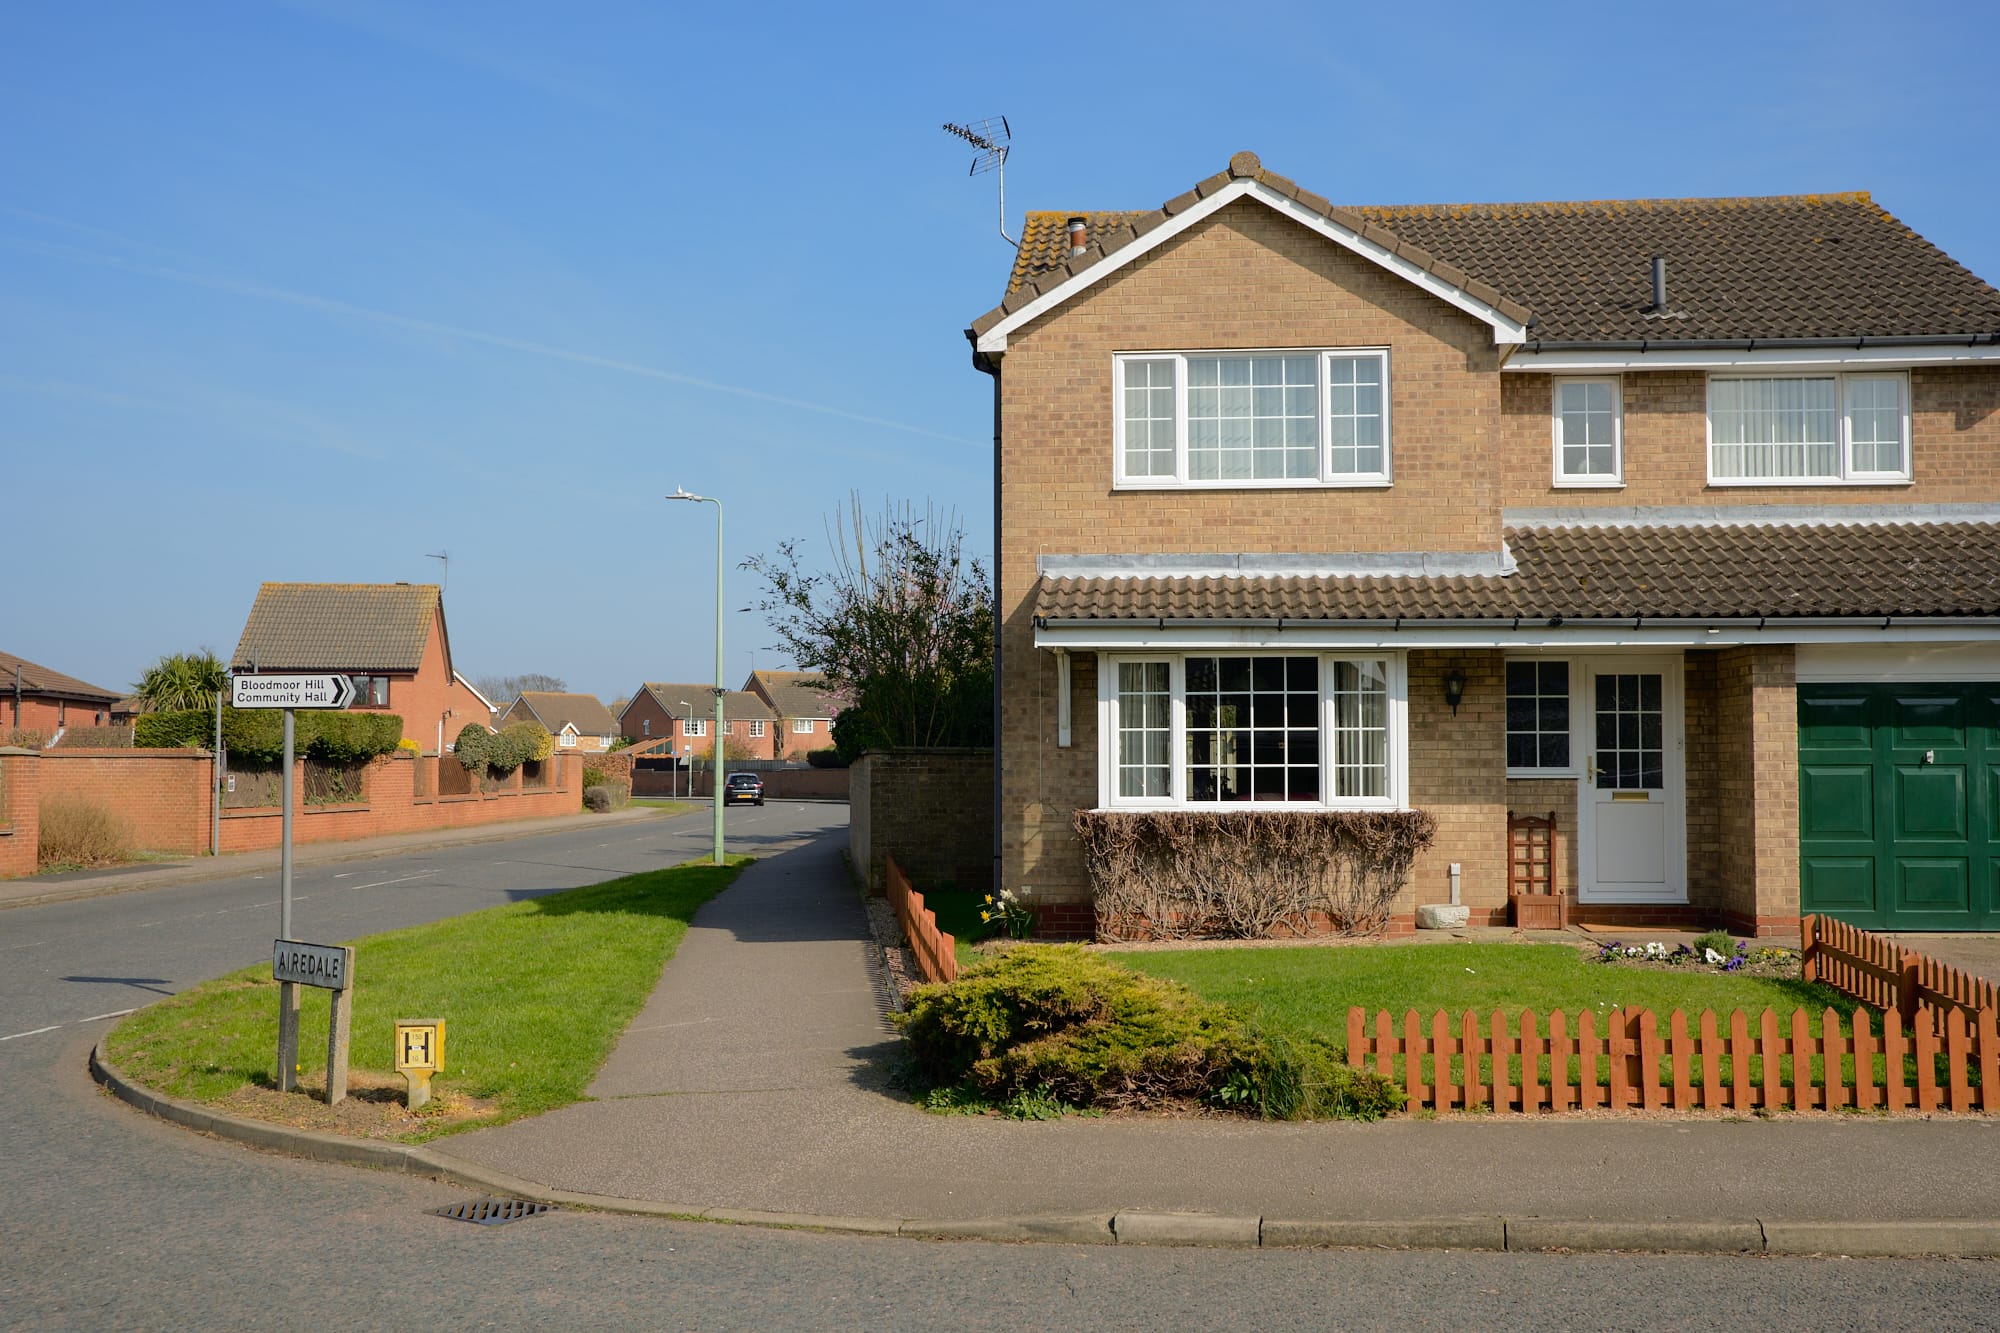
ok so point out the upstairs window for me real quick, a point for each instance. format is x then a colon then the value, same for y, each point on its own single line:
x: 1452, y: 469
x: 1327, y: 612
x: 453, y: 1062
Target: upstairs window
x: 370, y: 692
x: 1303, y: 418
x: 1808, y: 429
x: 1589, y: 429
x: 756, y: 728
x: 694, y: 727
x: 802, y: 726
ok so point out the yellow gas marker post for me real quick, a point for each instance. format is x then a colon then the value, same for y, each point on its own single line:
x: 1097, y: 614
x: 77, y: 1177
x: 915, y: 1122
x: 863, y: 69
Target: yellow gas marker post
x: 419, y: 1054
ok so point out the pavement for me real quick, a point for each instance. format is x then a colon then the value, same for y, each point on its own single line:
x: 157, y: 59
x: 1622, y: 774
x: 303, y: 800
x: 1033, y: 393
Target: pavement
x: 753, y: 1088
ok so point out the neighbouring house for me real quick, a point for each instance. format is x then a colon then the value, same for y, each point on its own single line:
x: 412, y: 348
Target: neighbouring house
x: 803, y: 706
x: 37, y: 700
x: 577, y: 721
x: 389, y: 638
x: 1678, y: 518
x: 684, y: 715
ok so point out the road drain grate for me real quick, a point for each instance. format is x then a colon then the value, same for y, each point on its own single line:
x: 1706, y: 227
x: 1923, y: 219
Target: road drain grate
x: 493, y: 1212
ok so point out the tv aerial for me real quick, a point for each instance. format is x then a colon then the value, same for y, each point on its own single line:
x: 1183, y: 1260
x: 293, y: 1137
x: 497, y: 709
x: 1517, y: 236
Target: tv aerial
x: 991, y: 137
x: 444, y: 556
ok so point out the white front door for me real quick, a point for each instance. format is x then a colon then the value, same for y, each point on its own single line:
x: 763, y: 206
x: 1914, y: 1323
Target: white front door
x: 1632, y: 799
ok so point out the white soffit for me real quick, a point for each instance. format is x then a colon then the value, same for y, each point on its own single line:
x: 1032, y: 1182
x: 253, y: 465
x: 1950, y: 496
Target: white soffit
x: 1669, y: 357
x: 1506, y: 331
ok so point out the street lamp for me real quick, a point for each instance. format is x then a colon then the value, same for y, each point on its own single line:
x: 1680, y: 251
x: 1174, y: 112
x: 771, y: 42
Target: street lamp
x: 681, y: 493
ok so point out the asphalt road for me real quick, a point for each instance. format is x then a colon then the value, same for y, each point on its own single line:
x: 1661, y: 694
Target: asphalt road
x: 109, y: 1219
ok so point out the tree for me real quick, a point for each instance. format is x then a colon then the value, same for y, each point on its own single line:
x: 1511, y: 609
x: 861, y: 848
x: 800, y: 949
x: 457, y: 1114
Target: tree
x: 503, y: 690
x: 183, y: 681
x: 901, y: 621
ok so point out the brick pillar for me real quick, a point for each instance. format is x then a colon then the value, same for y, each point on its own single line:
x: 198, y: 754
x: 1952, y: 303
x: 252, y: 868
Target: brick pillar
x: 1757, y: 725
x: 20, y: 810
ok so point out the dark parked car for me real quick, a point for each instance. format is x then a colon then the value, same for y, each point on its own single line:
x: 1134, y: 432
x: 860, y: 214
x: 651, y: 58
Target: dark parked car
x: 746, y: 788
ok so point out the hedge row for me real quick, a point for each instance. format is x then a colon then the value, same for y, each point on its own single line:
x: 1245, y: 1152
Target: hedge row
x: 258, y: 734
x: 503, y: 751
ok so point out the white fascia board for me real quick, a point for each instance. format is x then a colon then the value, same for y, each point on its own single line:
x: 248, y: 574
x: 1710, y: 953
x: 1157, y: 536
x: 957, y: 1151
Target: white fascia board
x: 1668, y: 357
x: 1505, y: 331
x: 1243, y: 638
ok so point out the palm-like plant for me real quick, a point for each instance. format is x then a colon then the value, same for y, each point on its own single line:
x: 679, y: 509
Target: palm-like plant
x: 181, y: 681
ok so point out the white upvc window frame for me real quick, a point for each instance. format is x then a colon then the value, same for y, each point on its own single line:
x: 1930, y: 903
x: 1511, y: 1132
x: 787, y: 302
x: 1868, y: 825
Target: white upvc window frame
x: 1573, y: 769
x: 694, y: 726
x: 1395, y: 670
x: 756, y: 728
x: 802, y: 726
x: 1182, y: 480
x: 1843, y: 442
x: 1589, y: 480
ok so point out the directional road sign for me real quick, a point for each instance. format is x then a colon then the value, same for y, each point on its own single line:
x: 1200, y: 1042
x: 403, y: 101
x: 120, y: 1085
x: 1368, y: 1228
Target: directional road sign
x: 268, y: 690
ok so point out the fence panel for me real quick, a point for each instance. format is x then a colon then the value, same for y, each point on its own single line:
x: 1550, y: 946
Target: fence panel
x: 1946, y: 1061
x: 1883, y: 975
x: 936, y: 952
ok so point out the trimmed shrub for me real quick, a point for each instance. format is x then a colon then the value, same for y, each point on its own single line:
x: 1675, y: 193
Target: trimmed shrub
x: 1054, y: 1020
x: 827, y: 758
x: 97, y: 738
x: 78, y: 834
x: 515, y: 745
x: 474, y: 744
x: 601, y: 798
x: 191, y: 729
x: 332, y: 738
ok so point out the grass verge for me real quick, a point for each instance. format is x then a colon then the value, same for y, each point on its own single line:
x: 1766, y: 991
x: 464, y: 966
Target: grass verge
x: 1309, y: 990
x: 534, y: 994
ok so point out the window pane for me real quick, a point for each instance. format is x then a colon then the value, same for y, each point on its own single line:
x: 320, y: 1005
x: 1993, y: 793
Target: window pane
x: 1260, y: 423
x: 1773, y: 428
x: 1149, y: 418
x: 1538, y: 714
x: 1144, y: 720
x: 1360, y: 729
x: 1354, y: 407
x: 1252, y: 729
x: 1875, y: 423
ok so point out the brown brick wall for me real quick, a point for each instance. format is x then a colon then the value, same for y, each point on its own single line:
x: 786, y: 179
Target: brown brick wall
x: 931, y: 809
x: 1757, y: 729
x: 1458, y: 772
x: 161, y: 795
x: 1954, y: 428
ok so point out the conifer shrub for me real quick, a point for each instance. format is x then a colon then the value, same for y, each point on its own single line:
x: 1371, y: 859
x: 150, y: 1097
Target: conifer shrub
x: 1055, y: 1020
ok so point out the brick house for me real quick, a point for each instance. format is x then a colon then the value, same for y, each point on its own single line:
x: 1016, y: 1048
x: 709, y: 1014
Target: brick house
x: 1678, y: 518
x: 578, y: 722
x: 803, y: 707
x: 34, y: 698
x: 388, y: 637
x: 685, y: 715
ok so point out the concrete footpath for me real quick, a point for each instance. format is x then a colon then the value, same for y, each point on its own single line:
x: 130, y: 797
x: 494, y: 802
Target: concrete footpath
x: 33, y: 890
x: 751, y: 1088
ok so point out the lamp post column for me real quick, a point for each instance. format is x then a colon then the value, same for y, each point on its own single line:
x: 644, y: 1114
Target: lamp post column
x: 717, y: 769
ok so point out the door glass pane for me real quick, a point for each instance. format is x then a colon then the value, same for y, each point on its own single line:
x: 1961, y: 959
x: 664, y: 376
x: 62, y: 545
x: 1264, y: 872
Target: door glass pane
x: 1631, y: 728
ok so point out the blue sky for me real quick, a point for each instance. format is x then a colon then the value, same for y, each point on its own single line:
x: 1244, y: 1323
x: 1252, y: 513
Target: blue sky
x: 306, y: 291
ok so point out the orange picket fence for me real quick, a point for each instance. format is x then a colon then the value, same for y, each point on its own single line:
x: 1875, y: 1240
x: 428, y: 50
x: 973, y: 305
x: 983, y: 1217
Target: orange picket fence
x: 937, y: 952
x: 1944, y: 1061
x: 1883, y: 975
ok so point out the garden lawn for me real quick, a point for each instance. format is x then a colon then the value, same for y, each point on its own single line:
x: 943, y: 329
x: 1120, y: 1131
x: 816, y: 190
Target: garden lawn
x: 534, y: 994
x: 1310, y: 989
x: 957, y: 912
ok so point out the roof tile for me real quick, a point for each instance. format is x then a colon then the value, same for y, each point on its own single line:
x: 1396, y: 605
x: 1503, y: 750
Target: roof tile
x: 338, y: 627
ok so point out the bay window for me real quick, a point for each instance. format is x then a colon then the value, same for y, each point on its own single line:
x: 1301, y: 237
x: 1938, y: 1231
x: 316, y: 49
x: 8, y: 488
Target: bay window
x: 1293, y: 730
x: 1808, y: 429
x: 1294, y: 418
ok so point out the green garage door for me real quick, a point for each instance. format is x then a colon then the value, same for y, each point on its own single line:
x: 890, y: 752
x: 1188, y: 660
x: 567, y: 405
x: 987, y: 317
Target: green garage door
x: 1899, y: 812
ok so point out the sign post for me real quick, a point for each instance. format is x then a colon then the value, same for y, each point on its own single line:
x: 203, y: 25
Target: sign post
x: 291, y: 691
x: 295, y: 963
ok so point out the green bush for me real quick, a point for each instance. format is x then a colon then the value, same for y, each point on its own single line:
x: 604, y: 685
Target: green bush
x: 1719, y: 940
x: 1056, y: 1021
x: 332, y: 738
x: 189, y: 729
x: 599, y: 799
x: 827, y: 758
x: 514, y: 746
x: 473, y: 746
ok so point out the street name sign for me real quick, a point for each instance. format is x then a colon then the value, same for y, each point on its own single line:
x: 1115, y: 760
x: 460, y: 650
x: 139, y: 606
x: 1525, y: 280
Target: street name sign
x: 324, y: 965
x: 269, y: 690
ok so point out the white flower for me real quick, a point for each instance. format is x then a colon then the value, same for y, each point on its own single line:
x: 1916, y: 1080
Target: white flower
x: 1656, y: 950
x: 1714, y: 959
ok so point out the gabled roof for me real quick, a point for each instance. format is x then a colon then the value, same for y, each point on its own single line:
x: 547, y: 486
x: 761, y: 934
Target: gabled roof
x: 339, y: 627
x: 1819, y: 266
x: 586, y: 712
x: 701, y: 701
x: 797, y: 693
x: 1607, y: 572
x: 40, y: 681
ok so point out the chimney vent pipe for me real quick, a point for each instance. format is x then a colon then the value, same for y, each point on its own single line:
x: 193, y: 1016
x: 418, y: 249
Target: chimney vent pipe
x: 1079, y: 237
x: 1659, y: 284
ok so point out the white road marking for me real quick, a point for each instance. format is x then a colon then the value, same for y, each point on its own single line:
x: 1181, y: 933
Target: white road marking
x: 115, y: 1013
x: 35, y: 1032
